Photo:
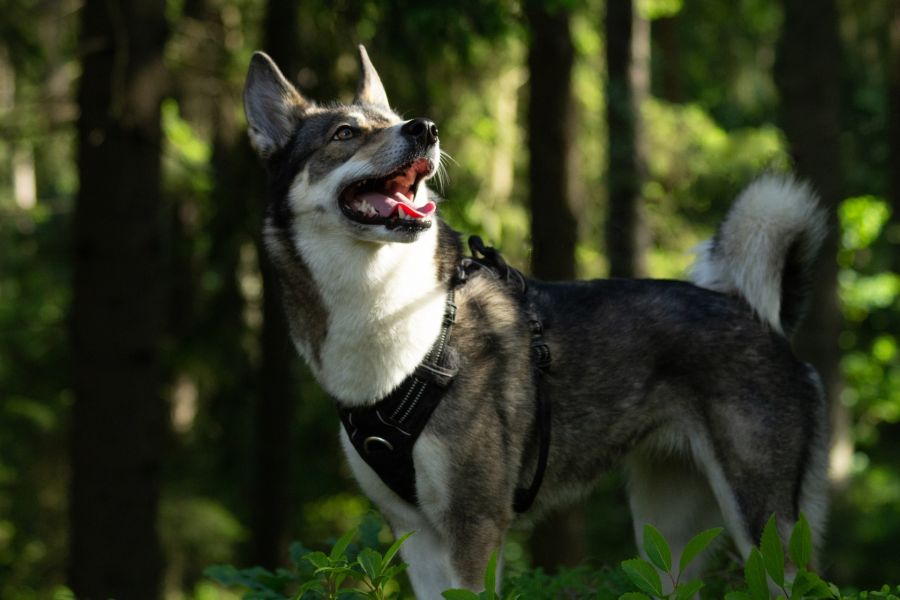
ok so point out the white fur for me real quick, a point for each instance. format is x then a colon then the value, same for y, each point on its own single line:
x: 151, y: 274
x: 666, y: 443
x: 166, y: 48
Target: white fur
x: 677, y: 485
x: 749, y: 253
x: 384, y: 301
x: 426, y: 552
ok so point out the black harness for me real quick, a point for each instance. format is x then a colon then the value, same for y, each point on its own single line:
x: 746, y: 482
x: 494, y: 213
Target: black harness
x: 384, y: 433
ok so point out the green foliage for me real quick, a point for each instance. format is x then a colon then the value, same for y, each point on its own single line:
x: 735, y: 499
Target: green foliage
x: 765, y: 570
x: 645, y: 576
x: 347, y: 571
x: 350, y: 570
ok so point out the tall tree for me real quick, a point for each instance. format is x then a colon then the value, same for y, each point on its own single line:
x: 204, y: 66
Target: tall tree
x: 117, y: 421
x: 558, y: 540
x: 808, y: 79
x: 627, y: 84
x: 277, y: 392
x: 550, y: 140
x: 894, y: 130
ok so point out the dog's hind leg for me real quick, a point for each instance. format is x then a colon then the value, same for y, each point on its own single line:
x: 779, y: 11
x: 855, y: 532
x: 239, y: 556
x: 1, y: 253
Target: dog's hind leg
x: 814, y: 486
x: 668, y: 491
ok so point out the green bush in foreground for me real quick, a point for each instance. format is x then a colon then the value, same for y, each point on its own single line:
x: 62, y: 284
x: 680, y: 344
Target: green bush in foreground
x: 355, y: 568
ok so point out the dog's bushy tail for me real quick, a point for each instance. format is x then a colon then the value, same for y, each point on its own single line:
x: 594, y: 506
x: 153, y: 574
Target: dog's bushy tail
x: 765, y: 248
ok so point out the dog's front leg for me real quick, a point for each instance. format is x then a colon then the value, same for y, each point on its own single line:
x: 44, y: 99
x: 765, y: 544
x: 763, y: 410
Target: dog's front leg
x: 427, y: 555
x: 473, y: 539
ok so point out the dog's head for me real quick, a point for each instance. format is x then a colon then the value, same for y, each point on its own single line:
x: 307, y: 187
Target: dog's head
x: 359, y: 168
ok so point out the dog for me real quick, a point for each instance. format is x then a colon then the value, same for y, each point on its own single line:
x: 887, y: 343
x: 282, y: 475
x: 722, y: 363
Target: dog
x: 470, y: 394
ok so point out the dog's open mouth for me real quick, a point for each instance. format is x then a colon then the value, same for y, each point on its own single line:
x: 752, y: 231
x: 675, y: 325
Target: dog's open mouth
x: 390, y: 200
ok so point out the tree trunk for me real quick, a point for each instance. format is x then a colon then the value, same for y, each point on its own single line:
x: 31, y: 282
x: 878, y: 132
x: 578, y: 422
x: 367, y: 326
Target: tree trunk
x: 559, y: 539
x: 894, y: 135
x: 277, y: 389
x: 667, y: 44
x: 118, y: 418
x: 807, y: 75
x: 627, y: 83
x: 553, y: 226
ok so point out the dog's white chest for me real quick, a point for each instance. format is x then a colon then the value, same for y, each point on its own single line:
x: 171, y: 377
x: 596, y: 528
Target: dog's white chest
x: 385, y: 308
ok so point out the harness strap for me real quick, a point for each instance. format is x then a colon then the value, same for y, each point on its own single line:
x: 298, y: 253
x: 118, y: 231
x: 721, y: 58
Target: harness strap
x: 384, y: 434
x: 488, y: 257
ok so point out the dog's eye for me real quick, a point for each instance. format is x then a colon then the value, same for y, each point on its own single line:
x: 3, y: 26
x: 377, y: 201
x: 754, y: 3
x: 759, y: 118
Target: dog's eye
x: 344, y: 132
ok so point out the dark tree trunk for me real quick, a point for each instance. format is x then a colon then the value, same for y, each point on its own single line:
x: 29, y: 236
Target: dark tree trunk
x: 281, y: 35
x: 894, y: 134
x: 627, y: 56
x: 807, y: 75
x: 277, y: 391
x: 559, y: 539
x: 553, y: 225
x: 667, y: 45
x: 118, y: 418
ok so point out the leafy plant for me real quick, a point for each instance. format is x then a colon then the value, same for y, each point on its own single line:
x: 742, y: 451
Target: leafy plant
x: 346, y: 572
x: 765, y: 570
x: 355, y: 568
x: 644, y: 574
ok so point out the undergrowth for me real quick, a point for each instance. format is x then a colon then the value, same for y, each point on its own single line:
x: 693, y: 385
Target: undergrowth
x: 358, y: 567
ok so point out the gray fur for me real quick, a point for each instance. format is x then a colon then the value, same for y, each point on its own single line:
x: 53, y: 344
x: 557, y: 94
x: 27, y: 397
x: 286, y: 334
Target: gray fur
x: 370, y: 90
x: 272, y: 105
x: 765, y: 248
x: 703, y: 403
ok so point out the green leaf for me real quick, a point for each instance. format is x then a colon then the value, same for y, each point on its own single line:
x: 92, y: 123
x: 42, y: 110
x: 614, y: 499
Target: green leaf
x: 643, y: 575
x: 393, y: 572
x: 370, y: 561
x: 755, y: 574
x: 318, y: 559
x: 490, y: 577
x: 810, y: 585
x: 773, y: 551
x: 455, y: 594
x: 656, y: 548
x: 800, y: 546
x: 395, y: 547
x: 737, y: 596
x: 634, y: 596
x: 340, y: 546
x: 297, y: 552
x: 312, y: 585
x: 226, y: 575
x: 697, y: 545
x: 801, y: 584
x: 686, y: 591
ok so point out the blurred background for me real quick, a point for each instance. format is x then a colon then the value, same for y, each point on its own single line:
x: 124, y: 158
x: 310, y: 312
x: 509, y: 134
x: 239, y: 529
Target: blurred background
x: 153, y: 416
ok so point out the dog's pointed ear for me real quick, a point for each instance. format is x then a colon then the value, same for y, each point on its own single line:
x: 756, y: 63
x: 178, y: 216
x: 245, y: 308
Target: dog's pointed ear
x: 273, y: 106
x: 370, y: 89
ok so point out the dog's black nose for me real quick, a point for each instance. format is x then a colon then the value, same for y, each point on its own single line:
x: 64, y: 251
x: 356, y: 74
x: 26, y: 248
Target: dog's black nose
x: 422, y: 131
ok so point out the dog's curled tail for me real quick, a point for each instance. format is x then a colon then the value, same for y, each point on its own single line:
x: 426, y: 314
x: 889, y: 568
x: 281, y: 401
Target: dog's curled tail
x: 765, y: 248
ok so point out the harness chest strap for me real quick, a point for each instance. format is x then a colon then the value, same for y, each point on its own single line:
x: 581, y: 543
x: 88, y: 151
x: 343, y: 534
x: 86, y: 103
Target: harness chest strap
x: 384, y: 433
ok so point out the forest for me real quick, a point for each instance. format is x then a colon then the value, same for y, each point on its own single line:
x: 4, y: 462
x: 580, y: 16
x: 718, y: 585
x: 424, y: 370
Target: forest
x: 154, y: 417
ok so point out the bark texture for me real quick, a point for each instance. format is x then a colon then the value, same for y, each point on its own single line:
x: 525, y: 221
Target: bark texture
x: 559, y: 539
x: 627, y: 84
x: 807, y: 73
x: 118, y: 417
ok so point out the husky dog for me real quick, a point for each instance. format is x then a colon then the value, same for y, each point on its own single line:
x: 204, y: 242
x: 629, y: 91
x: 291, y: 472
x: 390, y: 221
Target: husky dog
x: 691, y: 387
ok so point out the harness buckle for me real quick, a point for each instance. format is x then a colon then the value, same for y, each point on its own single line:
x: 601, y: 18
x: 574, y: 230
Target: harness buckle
x: 373, y: 442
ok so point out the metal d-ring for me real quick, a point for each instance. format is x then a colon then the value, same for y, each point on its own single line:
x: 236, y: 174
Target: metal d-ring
x: 376, y: 440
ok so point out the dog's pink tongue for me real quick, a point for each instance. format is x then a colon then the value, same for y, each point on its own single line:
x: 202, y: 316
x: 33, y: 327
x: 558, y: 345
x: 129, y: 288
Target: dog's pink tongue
x: 388, y: 205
